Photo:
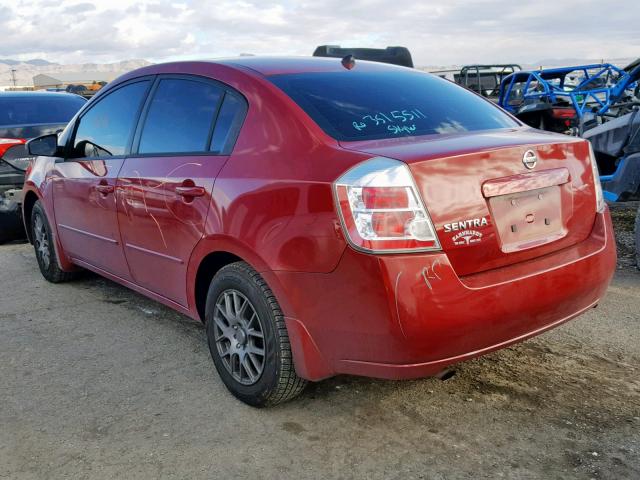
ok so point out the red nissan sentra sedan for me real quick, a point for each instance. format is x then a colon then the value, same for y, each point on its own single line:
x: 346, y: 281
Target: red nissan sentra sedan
x: 323, y: 217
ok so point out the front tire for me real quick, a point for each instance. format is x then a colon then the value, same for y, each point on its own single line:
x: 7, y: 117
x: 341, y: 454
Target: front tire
x: 44, y: 247
x: 248, y: 339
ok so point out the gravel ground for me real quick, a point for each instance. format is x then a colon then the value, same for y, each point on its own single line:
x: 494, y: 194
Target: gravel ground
x: 624, y: 218
x: 99, y: 382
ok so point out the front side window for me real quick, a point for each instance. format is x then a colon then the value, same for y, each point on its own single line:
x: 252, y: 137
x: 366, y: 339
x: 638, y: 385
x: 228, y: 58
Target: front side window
x: 180, y: 117
x: 367, y: 105
x: 105, y: 129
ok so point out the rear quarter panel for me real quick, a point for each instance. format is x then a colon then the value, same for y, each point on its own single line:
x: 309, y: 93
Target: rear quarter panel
x: 273, y: 199
x: 272, y: 202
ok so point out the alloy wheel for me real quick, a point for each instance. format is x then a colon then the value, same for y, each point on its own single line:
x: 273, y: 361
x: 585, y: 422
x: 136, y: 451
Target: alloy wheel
x: 42, y: 240
x: 239, y: 337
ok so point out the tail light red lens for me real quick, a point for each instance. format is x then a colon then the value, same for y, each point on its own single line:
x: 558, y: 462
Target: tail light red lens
x: 7, y: 143
x: 385, y: 197
x: 381, y: 209
x: 568, y: 113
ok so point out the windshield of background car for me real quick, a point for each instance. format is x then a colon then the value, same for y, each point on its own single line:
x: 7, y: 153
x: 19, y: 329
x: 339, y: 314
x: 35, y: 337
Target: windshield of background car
x: 354, y: 105
x: 38, y: 109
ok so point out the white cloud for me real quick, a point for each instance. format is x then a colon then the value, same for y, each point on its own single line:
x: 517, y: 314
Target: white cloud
x: 436, y: 32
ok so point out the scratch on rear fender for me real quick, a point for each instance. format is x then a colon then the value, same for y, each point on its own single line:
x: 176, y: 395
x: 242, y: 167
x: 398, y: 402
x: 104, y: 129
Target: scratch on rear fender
x: 397, y: 304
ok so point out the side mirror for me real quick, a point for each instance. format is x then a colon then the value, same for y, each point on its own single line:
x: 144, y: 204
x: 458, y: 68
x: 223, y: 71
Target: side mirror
x: 45, y: 146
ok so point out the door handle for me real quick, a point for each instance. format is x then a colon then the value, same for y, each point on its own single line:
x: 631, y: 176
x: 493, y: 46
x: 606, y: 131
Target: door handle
x: 188, y: 191
x: 105, y: 189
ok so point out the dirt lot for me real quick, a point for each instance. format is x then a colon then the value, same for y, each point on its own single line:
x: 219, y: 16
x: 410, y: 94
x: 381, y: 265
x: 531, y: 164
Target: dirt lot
x: 99, y: 382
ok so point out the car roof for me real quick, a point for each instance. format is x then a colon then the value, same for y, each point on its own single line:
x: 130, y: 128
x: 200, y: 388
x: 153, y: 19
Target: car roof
x: 31, y: 94
x: 280, y: 65
x: 263, y: 65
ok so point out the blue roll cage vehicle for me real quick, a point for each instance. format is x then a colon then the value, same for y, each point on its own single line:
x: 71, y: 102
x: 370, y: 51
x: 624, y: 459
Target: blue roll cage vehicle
x: 586, y: 90
x: 599, y: 102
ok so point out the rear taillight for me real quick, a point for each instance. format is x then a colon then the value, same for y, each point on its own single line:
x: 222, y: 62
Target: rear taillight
x: 381, y: 209
x: 596, y: 180
x: 7, y: 143
x: 569, y: 113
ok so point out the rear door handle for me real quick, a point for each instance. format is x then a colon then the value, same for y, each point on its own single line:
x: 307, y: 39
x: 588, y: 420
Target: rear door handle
x: 190, y: 191
x: 105, y: 189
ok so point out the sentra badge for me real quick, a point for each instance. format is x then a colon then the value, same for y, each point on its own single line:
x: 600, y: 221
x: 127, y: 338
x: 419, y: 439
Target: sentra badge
x: 466, y: 224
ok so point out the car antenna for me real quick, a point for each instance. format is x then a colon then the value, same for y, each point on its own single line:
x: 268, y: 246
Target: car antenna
x: 348, y: 62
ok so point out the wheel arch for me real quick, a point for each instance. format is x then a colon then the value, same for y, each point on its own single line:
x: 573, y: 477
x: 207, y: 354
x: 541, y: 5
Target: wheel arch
x: 308, y: 361
x: 203, y: 270
x: 212, y: 254
x: 207, y: 269
x: 31, y: 196
x: 29, y: 200
x: 209, y: 256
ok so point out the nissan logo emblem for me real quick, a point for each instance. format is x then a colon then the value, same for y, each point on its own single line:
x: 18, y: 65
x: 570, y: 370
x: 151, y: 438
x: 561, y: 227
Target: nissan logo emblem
x: 530, y: 159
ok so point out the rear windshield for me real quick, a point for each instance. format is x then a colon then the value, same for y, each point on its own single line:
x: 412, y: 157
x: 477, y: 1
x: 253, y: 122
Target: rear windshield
x: 37, y: 109
x: 354, y: 105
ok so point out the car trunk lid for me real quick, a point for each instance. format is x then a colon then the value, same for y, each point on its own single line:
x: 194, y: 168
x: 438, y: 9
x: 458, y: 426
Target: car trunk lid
x: 488, y: 208
x: 30, y: 131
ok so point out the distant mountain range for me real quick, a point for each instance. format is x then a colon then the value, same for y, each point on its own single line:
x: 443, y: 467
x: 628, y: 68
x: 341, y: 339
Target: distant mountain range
x: 26, y: 70
x: 38, y: 62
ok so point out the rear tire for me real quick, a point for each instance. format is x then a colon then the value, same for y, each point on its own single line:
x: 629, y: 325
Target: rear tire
x: 248, y: 339
x: 44, y: 247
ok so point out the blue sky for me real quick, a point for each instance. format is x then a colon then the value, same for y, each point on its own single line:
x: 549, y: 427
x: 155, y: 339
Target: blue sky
x: 436, y: 32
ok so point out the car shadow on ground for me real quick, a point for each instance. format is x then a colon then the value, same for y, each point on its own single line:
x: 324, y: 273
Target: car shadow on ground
x: 552, y: 369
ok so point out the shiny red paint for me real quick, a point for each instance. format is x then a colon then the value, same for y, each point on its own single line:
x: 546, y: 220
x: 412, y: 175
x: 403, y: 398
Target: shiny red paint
x: 406, y: 316
x: 452, y: 169
x: 151, y: 223
x: 160, y: 223
x: 86, y: 217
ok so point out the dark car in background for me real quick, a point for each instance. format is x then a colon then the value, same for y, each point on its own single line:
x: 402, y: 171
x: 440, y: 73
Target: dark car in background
x: 25, y: 115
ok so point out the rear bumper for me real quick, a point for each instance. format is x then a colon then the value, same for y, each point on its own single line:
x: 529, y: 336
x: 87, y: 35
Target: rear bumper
x: 407, y: 316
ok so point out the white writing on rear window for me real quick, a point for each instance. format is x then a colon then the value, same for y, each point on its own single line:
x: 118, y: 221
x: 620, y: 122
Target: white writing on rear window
x: 396, y: 121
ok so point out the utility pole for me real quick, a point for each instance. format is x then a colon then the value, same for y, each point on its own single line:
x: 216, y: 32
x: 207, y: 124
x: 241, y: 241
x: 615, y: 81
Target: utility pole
x: 13, y: 77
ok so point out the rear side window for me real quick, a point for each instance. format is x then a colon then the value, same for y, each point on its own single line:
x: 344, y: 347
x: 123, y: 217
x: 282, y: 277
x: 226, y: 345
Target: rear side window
x: 180, y: 117
x: 353, y: 105
x: 228, y: 124
x: 38, y: 109
x: 106, y: 128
